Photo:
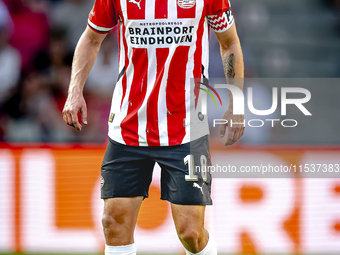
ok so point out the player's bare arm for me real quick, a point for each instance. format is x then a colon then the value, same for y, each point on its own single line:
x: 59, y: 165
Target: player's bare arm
x: 232, y: 57
x: 84, y: 57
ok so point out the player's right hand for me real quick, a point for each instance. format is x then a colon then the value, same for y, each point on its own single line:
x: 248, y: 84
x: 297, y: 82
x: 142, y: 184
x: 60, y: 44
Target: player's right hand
x: 75, y: 104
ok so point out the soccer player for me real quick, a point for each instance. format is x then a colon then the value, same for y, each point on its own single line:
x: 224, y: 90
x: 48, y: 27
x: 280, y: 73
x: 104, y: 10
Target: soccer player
x: 155, y: 116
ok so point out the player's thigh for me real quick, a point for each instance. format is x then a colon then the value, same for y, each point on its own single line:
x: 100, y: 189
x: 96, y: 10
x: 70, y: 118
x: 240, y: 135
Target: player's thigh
x: 188, y: 218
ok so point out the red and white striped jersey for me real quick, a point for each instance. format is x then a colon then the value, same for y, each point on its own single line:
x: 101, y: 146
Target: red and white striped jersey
x: 163, y: 45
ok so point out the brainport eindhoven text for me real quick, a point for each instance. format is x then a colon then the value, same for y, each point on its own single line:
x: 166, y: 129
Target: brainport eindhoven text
x: 161, y: 35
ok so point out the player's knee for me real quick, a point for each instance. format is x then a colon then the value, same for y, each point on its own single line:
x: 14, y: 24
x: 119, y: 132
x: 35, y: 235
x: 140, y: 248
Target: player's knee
x: 110, y: 221
x: 190, y: 236
x: 107, y: 221
x: 113, y: 219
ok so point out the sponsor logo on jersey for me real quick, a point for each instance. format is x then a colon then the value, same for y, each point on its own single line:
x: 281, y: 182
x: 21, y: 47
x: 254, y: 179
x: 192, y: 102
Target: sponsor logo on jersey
x: 101, y: 181
x: 161, y: 33
x: 136, y: 2
x: 186, y: 4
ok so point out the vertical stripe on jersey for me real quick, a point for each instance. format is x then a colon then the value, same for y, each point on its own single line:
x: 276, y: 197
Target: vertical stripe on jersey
x: 137, y: 94
x: 172, y: 9
x: 119, y: 47
x: 124, y: 79
x: 152, y: 133
x: 183, y: 13
x: 175, y: 95
x: 205, y: 49
x: 135, y: 9
x: 117, y: 98
x: 161, y: 10
x: 150, y: 7
x: 198, y: 56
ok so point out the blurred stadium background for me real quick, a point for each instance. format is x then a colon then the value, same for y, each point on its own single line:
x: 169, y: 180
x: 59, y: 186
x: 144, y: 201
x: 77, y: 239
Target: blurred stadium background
x: 49, y: 173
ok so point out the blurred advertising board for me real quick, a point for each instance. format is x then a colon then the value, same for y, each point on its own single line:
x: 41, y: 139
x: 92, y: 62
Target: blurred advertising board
x: 50, y: 201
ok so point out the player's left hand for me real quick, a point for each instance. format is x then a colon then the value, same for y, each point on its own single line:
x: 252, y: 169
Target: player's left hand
x: 234, y: 131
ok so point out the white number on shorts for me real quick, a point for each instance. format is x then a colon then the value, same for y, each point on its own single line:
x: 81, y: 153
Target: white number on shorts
x: 190, y: 161
x: 204, y: 168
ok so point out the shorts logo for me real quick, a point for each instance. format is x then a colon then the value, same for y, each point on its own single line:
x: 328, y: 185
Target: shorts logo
x: 186, y: 4
x: 195, y: 185
x: 101, y: 181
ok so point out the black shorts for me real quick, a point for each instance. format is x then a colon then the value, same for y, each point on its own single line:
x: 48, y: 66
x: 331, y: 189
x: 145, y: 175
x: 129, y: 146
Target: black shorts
x: 127, y: 171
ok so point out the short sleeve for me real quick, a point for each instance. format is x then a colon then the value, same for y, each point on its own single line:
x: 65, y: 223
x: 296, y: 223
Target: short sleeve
x: 216, y: 7
x: 220, y: 17
x: 102, y: 17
